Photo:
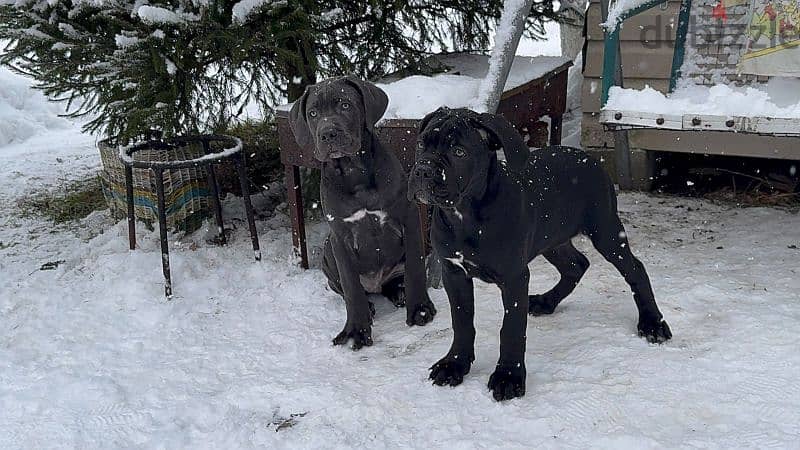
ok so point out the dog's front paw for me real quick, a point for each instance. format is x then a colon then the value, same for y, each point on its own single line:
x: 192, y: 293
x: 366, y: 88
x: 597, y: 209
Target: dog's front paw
x: 361, y: 336
x: 507, y: 382
x: 449, y: 371
x: 540, y: 305
x: 655, y: 331
x: 420, y: 314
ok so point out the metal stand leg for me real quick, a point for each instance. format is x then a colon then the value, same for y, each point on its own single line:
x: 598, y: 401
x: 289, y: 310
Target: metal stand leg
x: 248, y: 207
x: 214, y: 187
x: 162, y: 228
x: 131, y: 213
x: 555, y: 129
x: 295, y: 194
x: 622, y: 152
x: 622, y: 149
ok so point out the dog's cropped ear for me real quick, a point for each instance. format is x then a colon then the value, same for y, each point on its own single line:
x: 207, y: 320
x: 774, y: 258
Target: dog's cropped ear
x: 500, y: 134
x: 297, y: 120
x: 374, y: 99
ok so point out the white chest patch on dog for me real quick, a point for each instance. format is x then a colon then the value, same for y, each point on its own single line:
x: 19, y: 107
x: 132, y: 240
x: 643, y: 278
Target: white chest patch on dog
x: 459, y: 261
x: 363, y: 213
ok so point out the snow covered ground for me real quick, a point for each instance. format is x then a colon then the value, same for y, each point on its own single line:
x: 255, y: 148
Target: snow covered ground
x: 93, y: 356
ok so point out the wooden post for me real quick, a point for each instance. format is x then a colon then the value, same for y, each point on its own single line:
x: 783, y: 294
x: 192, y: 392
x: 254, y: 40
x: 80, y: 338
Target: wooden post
x: 131, y: 210
x: 295, y: 196
x: 555, y: 129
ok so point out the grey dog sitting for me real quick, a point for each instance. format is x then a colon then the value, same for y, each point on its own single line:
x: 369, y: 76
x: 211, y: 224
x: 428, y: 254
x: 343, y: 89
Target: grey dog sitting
x: 375, y: 244
x: 493, y: 218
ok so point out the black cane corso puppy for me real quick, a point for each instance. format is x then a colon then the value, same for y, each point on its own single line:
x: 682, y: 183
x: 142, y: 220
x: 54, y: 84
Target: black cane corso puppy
x: 492, y: 218
x: 375, y: 245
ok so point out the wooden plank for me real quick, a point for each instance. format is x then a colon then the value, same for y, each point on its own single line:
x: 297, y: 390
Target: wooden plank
x: 638, y: 119
x: 593, y: 136
x: 758, y: 125
x: 638, y: 61
x: 716, y: 143
x: 590, y: 91
x: 651, y: 25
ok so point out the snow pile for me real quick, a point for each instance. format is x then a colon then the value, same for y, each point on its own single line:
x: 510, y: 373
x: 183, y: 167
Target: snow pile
x: 780, y: 97
x: 93, y: 356
x: 414, y: 97
x: 24, y: 112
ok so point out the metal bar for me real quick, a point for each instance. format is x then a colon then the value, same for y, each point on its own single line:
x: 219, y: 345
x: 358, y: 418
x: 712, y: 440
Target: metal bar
x: 162, y: 229
x: 131, y: 211
x: 610, y: 50
x: 248, y: 206
x: 680, y: 43
x: 214, y: 187
x: 611, y: 63
x: 555, y: 129
x: 295, y: 197
x: 502, y: 56
x: 612, y: 70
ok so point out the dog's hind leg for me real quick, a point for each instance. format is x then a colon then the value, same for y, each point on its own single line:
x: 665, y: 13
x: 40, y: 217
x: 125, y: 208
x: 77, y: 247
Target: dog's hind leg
x: 571, y: 265
x: 609, y: 238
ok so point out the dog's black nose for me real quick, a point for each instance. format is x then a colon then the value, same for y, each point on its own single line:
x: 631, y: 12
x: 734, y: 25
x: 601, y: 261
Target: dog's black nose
x: 328, y: 135
x: 423, y: 171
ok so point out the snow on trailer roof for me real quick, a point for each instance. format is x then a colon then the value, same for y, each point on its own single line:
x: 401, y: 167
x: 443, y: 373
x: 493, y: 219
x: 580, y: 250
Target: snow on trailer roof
x: 415, y: 96
x: 769, y: 108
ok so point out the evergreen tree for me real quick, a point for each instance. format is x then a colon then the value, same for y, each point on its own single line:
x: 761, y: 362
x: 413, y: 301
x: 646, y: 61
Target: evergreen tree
x: 182, y: 66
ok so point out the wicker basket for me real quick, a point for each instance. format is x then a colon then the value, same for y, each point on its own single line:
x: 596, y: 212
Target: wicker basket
x: 186, y: 190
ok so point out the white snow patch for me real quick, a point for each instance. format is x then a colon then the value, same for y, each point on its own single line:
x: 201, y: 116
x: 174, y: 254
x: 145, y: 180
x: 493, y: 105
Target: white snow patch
x: 458, y: 260
x: 780, y: 97
x: 93, y: 356
x: 24, y: 112
x: 155, y: 15
x: 363, y: 213
x: 123, y: 41
x: 414, y: 97
x: 243, y: 9
x: 171, y: 68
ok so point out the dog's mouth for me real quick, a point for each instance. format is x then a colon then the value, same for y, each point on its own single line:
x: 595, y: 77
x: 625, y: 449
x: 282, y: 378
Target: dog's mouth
x: 332, y: 152
x: 436, y: 197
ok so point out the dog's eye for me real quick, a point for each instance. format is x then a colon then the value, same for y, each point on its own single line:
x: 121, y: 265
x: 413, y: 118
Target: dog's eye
x: 345, y: 105
x: 459, y: 151
x: 420, y: 145
x: 312, y: 113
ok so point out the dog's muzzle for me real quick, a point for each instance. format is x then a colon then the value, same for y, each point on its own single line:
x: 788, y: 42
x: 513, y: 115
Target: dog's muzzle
x: 334, y: 142
x: 425, y: 185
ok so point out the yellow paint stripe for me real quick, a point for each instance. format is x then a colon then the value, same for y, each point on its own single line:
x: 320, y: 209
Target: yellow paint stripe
x: 770, y: 50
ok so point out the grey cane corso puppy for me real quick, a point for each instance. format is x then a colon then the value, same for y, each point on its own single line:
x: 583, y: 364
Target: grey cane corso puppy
x: 375, y: 245
x: 493, y: 218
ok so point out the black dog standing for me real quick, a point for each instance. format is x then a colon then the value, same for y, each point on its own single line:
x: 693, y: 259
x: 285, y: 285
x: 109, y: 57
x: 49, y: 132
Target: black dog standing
x: 493, y: 218
x: 375, y: 245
